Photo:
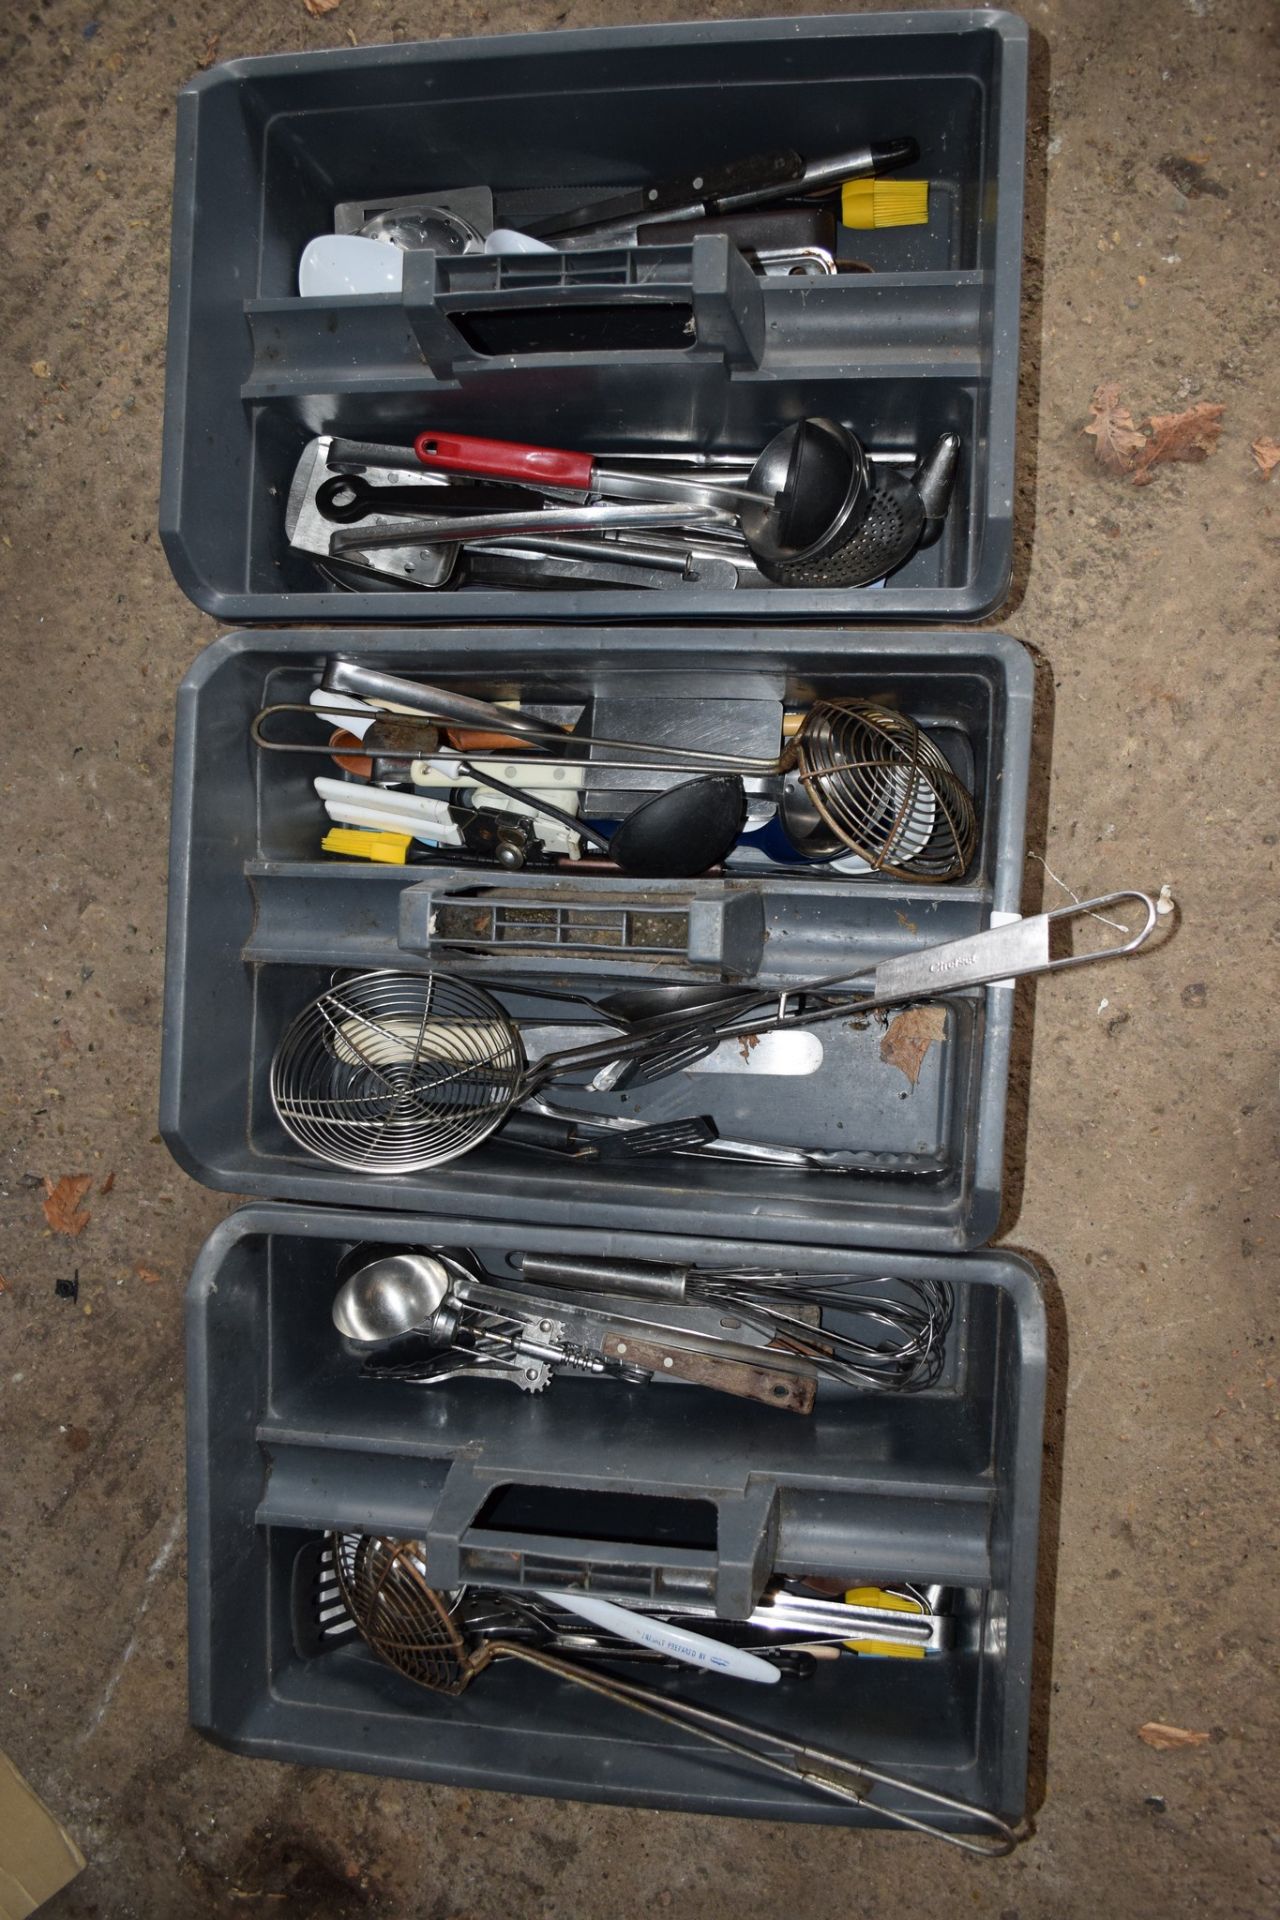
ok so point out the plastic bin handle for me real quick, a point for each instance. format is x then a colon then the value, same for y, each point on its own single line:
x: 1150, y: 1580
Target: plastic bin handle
x: 707, y: 280
x: 504, y: 460
x: 460, y: 1548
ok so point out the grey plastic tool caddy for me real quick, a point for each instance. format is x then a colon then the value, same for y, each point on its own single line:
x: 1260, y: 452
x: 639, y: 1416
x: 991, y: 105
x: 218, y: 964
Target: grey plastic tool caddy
x: 926, y: 343
x: 259, y: 920
x: 638, y: 1489
x: 285, y: 1441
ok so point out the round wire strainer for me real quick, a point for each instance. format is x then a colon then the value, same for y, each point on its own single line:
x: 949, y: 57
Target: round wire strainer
x: 884, y: 790
x: 393, y: 1072
x: 384, y: 1585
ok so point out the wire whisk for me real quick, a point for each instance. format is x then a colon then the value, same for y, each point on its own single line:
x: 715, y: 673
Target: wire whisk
x: 905, y: 1322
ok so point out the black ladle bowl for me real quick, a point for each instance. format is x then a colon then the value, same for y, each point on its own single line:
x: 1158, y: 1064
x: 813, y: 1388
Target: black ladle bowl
x: 814, y: 480
x: 900, y: 515
x: 680, y: 833
x: 674, y: 835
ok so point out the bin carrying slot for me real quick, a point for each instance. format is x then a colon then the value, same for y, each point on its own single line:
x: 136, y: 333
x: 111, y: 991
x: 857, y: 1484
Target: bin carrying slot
x: 699, y: 299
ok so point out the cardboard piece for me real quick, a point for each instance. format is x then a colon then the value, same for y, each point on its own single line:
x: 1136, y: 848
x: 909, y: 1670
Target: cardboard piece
x: 37, y: 1855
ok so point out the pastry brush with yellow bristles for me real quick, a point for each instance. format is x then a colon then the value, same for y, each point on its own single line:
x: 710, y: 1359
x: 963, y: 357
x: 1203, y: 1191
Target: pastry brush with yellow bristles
x: 884, y: 203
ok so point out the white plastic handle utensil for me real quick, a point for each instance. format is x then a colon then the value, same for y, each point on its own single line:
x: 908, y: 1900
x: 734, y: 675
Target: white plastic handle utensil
x: 695, y: 1649
x: 364, y: 806
x: 334, y: 265
x: 410, y: 806
x: 507, y: 240
x: 785, y: 1056
x: 531, y: 773
x: 392, y: 823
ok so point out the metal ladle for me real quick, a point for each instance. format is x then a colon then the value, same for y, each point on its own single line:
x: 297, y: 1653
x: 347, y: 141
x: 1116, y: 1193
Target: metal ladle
x: 899, y: 515
x: 805, y: 494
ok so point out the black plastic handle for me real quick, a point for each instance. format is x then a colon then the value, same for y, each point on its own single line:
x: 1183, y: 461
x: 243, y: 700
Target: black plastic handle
x: 545, y: 1135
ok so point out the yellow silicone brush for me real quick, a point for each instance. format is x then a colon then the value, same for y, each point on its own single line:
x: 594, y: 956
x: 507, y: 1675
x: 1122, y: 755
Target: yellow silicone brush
x: 895, y: 1602
x: 885, y: 203
x: 361, y: 843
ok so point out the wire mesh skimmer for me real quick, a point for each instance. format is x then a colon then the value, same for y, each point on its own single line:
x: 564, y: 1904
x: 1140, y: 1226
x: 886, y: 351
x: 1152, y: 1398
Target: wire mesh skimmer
x: 411, y: 1626
x: 870, y: 781
x: 393, y: 1072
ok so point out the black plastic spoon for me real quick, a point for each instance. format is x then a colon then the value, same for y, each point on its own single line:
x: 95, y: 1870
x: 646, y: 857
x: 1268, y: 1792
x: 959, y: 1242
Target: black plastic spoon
x: 673, y: 835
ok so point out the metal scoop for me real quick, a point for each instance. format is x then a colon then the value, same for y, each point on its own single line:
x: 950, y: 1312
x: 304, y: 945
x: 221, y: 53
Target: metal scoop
x: 388, y: 1298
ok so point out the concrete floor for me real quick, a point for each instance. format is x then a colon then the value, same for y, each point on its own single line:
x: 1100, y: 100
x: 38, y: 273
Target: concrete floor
x: 1142, y: 1144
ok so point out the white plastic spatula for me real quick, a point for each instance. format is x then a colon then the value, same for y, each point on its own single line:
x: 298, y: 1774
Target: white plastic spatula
x: 694, y: 1649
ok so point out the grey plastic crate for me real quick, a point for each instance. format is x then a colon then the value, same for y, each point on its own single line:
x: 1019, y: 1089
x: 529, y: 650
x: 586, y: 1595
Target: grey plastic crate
x: 926, y: 343
x: 258, y: 922
x: 285, y: 1440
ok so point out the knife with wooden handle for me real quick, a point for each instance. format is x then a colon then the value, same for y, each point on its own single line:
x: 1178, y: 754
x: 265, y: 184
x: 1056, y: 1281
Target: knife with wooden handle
x: 792, y: 1392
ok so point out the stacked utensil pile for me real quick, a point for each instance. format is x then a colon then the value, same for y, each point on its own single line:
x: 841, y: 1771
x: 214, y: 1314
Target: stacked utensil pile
x: 432, y: 1315
x: 378, y: 1588
x: 389, y: 1072
x: 808, y: 202
x: 812, y: 509
x: 852, y: 785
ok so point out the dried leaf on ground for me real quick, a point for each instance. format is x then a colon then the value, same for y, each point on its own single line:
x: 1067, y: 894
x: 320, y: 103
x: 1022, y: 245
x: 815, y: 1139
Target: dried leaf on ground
x: 318, y: 8
x: 149, y: 1274
x: 909, y: 1037
x: 1192, y: 435
x: 4, y: 1284
x: 1116, y: 439
x: 108, y: 1183
x: 1186, y: 172
x: 61, y: 1202
x: 1166, y: 1739
x: 40, y: 368
x: 1267, y: 454
x: 210, y: 53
